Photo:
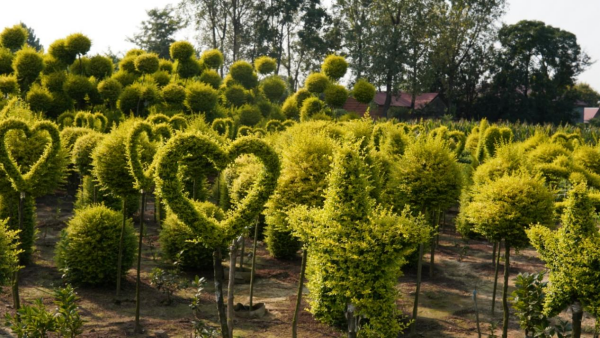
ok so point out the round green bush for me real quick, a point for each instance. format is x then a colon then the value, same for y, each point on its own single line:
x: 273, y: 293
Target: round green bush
x: 316, y: 83
x: 61, y: 103
x: 265, y: 65
x: 228, y: 81
x: 176, y: 237
x: 128, y: 64
x: 334, y: 66
x: 80, y: 66
x: 188, y: 68
x: 282, y: 244
x: 13, y: 37
x: 235, y: 95
x: 165, y: 65
x: 39, y: 99
x: 311, y: 106
x: 181, y: 50
x: 8, y: 85
x: 138, y: 98
x: 290, y: 108
x: 77, y: 87
x: 212, y: 58
x: 249, y: 115
x: 6, y: 60
x: 200, y: 97
x: 134, y: 52
x: 58, y: 49
x: 53, y: 65
x: 78, y: 44
x: 363, y: 91
x: 88, y: 249
x: 273, y: 88
x: 27, y: 65
x: 161, y: 78
x: 100, y: 67
x: 146, y: 63
x: 173, y: 94
x: 243, y: 73
x: 124, y: 77
x: 336, y: 95
x: 110, y: 89
x: 54, y: 81
x: 301, y: 95
x: 211, y: 77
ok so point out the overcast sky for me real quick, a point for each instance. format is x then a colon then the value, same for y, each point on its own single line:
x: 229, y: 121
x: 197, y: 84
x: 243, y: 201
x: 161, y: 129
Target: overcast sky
x: 109, y: 22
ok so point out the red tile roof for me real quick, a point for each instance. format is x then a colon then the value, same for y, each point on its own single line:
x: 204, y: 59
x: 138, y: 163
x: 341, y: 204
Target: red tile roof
x: 404, y: 99
x: 589, y: 113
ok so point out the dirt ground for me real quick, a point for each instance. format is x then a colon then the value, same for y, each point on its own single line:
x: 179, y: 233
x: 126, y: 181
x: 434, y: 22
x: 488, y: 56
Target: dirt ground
x: 446, y: 303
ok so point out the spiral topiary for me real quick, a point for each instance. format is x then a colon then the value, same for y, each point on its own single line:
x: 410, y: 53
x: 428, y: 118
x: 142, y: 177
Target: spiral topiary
x: 200, y: 97
x: 243, y: 73
x: 39, y: 99
x: 363, y: 91
x: 336, y: 95
x: 212, y: 58
x: 334, y: 66
x: 110, y: 90
x: 6, y: 60
x: 100, y: 67
x: 211, y: 77
x: 27, y: 64
x: 13, y: 37
x: 181, y: 50
x: 173, y: 94
x: 274, y: 126
x: 265, y: 65
x: 273, y: 88
x: 316, y: 83
x: 86, y: 259
x: 311, y: 106
x: 78, y: 44
x: 8, y: 85
x: 249, y: 115
x: 146, y: 63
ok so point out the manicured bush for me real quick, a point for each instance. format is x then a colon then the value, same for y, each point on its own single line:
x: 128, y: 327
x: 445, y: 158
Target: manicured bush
x: 8, y: 85
x: 200, y: 97
x: 334, y: 66
x: 39, y: 99
x: 27, y: 64
x: 146, y: 63
x: 336, y: 95
x: 316, y: 83
x: 110, y: 90
x: 212, y: 58
x: 165, y: 65
x: 138, y: 98
x: 211, y: 77
x: 243, y: 73
x: 9, y: 260
x: 181, y: 50
x: 78, y: 44
x: 128, y: 64
x: 124, y: 77
x: 77, y: 87
x: 265, y: 65
x: 6, y: 60
x: 363, y: 91
x: 235, y: 95
x: 161, y: 78
x: 249, y: 115
x: 273, y: 88
x: 80, y: 66
x: 58, y: 49
x: 13, y: 37
x: 290, y: 108
x: 173, y: 94
x: 311, y: 107
x: 88, y: 249
x: 54, y: 81
x: 187, y: 69
x: 100, y: 67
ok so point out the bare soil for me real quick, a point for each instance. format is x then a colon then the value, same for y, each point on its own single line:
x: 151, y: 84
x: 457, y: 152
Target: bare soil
x: 446, y: 304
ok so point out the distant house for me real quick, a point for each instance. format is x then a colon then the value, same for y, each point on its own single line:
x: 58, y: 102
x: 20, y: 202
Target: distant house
x: 428, y: 105
x: 580, y: 108
x: 589, y: 114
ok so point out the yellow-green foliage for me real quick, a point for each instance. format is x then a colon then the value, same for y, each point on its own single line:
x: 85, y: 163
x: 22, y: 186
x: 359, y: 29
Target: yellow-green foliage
x: 173, y: 94
x: 265, y: 65
x: 273, y: 88
x: 310, y: 107
x: 301, y: 95
x: 82, y: 152
x: 200, y: 97
x: 290, y: 108
x: 212, y: 58
x: 27, y: 64
x: 8, y: 85
x: 161, y: 78
x: 138, y: 98
x: 100, y: 67
x: 588, y: 158
x: 316, y: 83
x: 13, y: 37
x: 54, y: 81
x: 211, y: 77
x: 6, y: 59
x: 334, y: 66
x: 146, y: 63
x: 336, y: 95
x: 243, y: 73
x: 249, y: 115
x: 128, y: 64
x: 77, y: 87
x: 572, y: 256
x: 165, y: 65
x: 363, y: 91
x: 78, y: 44
x: 88, y: 248
x: 189, y: 68
x: 39, y: 99
x: 235, y: 95
x: 110, y: 90
x: 9, y: 260
x: 124, y: 77
x: 58, y: 49
x: 181, y: 50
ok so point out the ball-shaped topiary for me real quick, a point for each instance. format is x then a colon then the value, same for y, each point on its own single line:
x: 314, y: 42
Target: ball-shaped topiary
x: 212, y: 58
x: 316, y: 83
x: 124, y: 77
x: 173, y: 94
x: 165, y: 65
x: 77, y: 87
x: 128, y: 64
x: 363, y: 91
x: 134, y: 52
x: 181, y: 50
x: 265, y: 65
x: 211, y: 77
x: 311, y: 106
x: 189, y: 68
x: 78, y: 43
x: 61, y: 103
x: 13, y: 37
x: 27, y: 65
x: 54, y: 81
x: 178, y: 241
x: 290, y: 108
x: 138, y: 98
x: 80, y: 66
x: 334, y: 66
x: 8, y: 85
x: 109, y: 90
x: 235, y: 95
x: 243, y: 73
x: 88, y: 249
x: 200, y: 97
x: 52, y: 65
x: 161, y: 78
x: 58, y: 49
x: 6, y: 59
x: 39, y: 99
x: 273, y: 88
x: 100, y: 67
x: 146, y: 63
x: 336, y: 95
x: 249, y: 115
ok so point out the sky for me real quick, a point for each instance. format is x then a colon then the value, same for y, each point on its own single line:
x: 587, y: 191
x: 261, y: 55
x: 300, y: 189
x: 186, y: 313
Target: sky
x: 109, y: 22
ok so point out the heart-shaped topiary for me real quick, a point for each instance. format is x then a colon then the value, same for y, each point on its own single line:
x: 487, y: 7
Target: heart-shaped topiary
x: 88, y: 120
x: 26, y: 182
x: 177, y: 122
x: 214, y: 233
x: 143, y: 178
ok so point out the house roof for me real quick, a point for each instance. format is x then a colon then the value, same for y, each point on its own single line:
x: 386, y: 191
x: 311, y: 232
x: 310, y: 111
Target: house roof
x: 404, y: 99
x: 589, y: 113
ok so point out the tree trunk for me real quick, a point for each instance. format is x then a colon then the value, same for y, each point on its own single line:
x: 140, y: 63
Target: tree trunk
x: 496, y: 269
x: 577, y: 311
x: 388, y: 94
x: 299, y: 295
x: 433, y: 245
x: 505, y: 291
x: 352, y: 322
x: 120, y: 255
x: 242, y: 253
x: 413, y: 329
x: 15, y: 282
x: 138, y: 327
x: 231, y: 286
x: 218, y: 271
x: 253, y: 269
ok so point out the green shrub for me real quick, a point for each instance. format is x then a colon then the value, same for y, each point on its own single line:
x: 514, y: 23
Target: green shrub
x: 334, y: 66
x: 124, y: 77
x: 53, y: 65
x: 80, y: 66
x: 6, y: 60
x: 39, y: 99
x: 61, y: 103
x: 311, y: 107
x: 27, y: 64
x: 88, y: 249
x: 146, y: 63
x: 211, y: 77
x: 9, y: 260
x: 128, y: 64
x: 101, y: 67
x: 13, y: 37
x: 138, y: 98
x: 134, y: 52
x: 110, y: 90
x: 181, y: 50
x: 265, y: 65
x: 363, y: 91
x: 161, y: 78
x: 200, y: 97
x: 235, y: 95
x: 249, y: 115
x: 173, y: 94
x: 281, y: 244
x: 77, y: 87
x: 243, y: 73
x: 55, y: 81
x: 78, y: 44
x: 273, y: 87
x: 8, y: 85
x: 58, y: 49
x: 189, y: 68
x: 165, y: 65
x: 316, y: 83
x: 290, y: 108
x: 336, y: 95
x: 212, y: 58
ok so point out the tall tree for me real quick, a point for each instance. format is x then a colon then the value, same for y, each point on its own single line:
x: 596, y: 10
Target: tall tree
x: 587, y: 94
x: 32, y: 39
x: 157, y: 32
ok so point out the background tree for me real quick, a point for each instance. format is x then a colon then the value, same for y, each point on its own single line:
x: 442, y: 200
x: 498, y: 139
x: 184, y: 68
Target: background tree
x: 587, y: 94
x: 32, y: 39
x: 157, y: 32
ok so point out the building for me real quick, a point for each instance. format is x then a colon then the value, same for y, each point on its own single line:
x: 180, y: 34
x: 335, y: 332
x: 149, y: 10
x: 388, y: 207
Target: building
x: 426, y: 105
x: 589, y: 114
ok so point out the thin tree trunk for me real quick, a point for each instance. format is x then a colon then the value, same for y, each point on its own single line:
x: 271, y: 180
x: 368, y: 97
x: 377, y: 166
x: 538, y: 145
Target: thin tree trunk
x: 231, y: 286
x: 413, y: 329
x: 299, y: 294
x: 242, y: 253
x: 120, y: 257
x: 496, y: 269
x: 577, y: 311
x: 433, y: 245
x: 15, y: 282
x: 352, y: 327
x: 388, y: 95
x: 253, y: 269
x: 218, y: 271
x: 138, y: 327
x: 505, y: 291
x: 476, y: 313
